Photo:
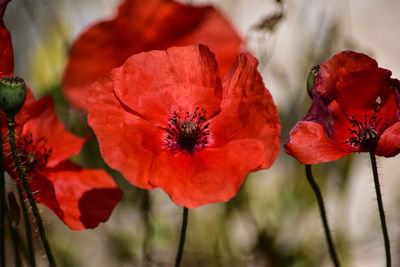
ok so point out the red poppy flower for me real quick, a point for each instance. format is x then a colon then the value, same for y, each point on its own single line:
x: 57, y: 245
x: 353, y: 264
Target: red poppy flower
x: 355, y: 108
x: 143, y: 26
x: 80, y: 198
x: 164, y: 119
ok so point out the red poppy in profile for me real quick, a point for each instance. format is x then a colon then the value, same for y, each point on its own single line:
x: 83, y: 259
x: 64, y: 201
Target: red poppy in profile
x: 355, y: 108
x: 80, y: 198
x: 143, y: 26
x: 164, y: 119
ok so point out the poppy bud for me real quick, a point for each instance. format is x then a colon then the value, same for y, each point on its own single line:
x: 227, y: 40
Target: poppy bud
x: 12, y: 95
x: 311, y: 78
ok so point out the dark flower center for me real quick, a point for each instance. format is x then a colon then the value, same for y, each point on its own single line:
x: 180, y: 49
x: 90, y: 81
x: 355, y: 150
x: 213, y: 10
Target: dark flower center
x: 35, y: 155
x: 366, y: 132
x: 188, y: 134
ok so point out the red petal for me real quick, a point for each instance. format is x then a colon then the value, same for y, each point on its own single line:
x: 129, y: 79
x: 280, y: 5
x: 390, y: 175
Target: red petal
x: 43, y: 122
x: 340, y: 64
x: 24, y: 113
x: 212, y: 175
x: 247, y: 110
x: 389, y: 143
x: 126, y: 141
x: 80, y: 198
x: 157, y: 83
x: 143, y: 26
x: 342, y: 124
x: 85, y: 197
x: 6, y: 52
x: 360, y: 90
x: 309, y: 144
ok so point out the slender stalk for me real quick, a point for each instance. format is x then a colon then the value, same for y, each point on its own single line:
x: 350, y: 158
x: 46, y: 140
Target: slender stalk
x: 11, y: 134
x: 182, y: 239
x: 28, y: 229
x: 381, y: 211
x: 14, y: 239
x: 2, y: 206
x: 145, y: 209
x: 314, y: 185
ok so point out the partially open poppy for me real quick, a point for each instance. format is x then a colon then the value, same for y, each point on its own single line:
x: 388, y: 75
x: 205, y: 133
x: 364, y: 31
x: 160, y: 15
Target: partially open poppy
x: 355, y: 108
x: 164, y: 119
x: 143, y: 26
x: 81, y: 198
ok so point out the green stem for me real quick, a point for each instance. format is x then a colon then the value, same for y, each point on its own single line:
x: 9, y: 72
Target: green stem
x: 182, y: 239
x: 28, y: 230
x: 14, y: 239
x: 381, y: 211
x: 145, y: 209
x: 320, y: 201
x: 2, y: 206
x: 11, y: 134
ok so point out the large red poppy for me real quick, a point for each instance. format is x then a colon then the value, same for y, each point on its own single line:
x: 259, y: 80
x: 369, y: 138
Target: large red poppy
x: 80, y: 198
x: 164, y: 119
x: 143, y: 26
x: 355, y: 108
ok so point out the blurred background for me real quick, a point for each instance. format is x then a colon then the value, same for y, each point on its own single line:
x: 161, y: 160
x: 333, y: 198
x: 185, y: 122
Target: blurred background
x: 274, y: 219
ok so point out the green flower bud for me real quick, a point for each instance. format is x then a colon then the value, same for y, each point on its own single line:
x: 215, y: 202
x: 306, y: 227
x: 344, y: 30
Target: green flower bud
x: 12, y: 95
x: 311, y: 78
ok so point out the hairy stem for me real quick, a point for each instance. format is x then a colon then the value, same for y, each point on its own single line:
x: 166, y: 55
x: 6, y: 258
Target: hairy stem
x: 2, y: 207
x: 28, y: 229
x: 381, y: 211
x: 331, y: 246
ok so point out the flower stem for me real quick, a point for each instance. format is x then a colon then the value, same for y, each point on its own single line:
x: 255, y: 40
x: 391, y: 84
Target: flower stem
x: 182, y: 239
x: 2, y: 207
x: 14, y: 239
x: 28, y: 230
x: 320, y: 201
x: 145, y: 209
x: 11, y: 134
x: 381, y: 211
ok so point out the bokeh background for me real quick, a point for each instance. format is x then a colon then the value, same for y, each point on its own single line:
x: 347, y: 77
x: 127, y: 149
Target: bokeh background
x: 274, y: 220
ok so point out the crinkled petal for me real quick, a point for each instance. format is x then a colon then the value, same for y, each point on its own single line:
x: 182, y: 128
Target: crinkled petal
x: 389, y: 143
x: 340, y: 64
x: 143, y: 26
x: 84, y: 197
x: 81, y: 198
x: 247, y: 110
x: 127, y: 142
x: 309, y: 144
x: 43, y: 123
x: 155, y: 84
x: 212, y: 175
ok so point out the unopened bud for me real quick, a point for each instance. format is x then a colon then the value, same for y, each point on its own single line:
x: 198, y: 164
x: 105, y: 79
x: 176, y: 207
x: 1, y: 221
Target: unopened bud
x: 311, y: 78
